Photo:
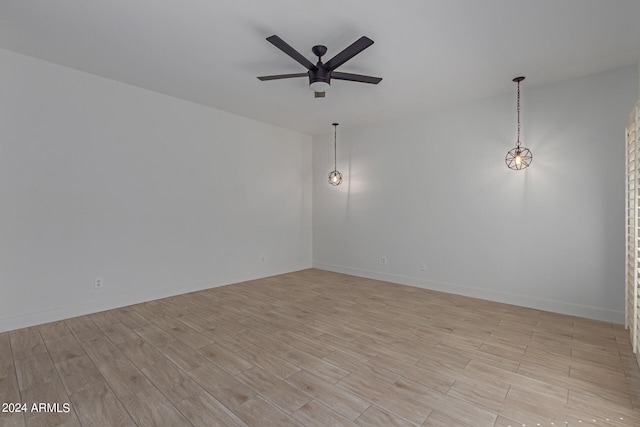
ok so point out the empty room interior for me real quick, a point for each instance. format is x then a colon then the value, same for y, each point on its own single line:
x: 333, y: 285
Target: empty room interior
x: 361, y: 213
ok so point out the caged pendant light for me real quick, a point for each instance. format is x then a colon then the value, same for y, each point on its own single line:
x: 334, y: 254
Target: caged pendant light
x: 519, y: 157
x: 335, y: 177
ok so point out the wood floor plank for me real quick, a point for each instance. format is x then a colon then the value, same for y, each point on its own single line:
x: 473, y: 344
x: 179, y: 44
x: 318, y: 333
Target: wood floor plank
x: 119, y: 333
x: 442, y: 358
x: 258, y: 412
x: 315, y: 414
x: 185, y: 333
x: 222, y: 386
x: 6, y: 355
x: 338, y: 399
x: 154, y: 335
x: 12, y: 419
x: 439, y: 418
x: 375, y: 416
x: 281, y: 394
x: 271, y: 343
x: 485, y: 392
x: 150, y: 312
x: 367, y: 369
x: 99, y: 406
x: 528, y: 403
x: 480, y: 370
x: 64, y: 348
x: 220, y: 336
x: 26, y: 342
x: 171, y: 381
x: 315, y: 348
x: 389, y: 400
x: 302, y: 343
x: 79, y: 374
x: 278, y: 366
x: 505, y: 422
x: 124, y: 378
x: 102, y: 351
x: 202, y: 410
x: 54, y: 330
x: 230, y: 362
x: 346, y: 344
x: 199, y: 322
x: 594, y: 404
x: 600, y: 376
x: 460, y: 410
x: 435, y: 379
x: 184, y: 357
x: 103, y: 319
x: 35, y: 370
x: 83, y: 328
x: 317, y: 366
x: 151, y: 408
x: 54, y: 394
x: 130, y: 318
x: 141, y: 352
x: 9, y: 390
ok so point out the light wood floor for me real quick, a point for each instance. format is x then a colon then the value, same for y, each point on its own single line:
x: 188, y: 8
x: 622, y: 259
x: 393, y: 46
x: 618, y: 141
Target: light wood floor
x: 315, y: 348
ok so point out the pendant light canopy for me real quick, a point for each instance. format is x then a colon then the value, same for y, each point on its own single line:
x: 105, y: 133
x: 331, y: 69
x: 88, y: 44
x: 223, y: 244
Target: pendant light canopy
x: 335, y: 177
x: 519, y: 157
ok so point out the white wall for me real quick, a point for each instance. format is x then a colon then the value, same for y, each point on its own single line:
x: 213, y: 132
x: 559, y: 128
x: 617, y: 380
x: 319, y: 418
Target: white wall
x: 155, y: 195
x: 158, y: 196
x: 434, y: 189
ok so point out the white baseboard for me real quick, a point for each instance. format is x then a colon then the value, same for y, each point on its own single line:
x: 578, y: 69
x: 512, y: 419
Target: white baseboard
x: 507, y: 298
x: 130, y: 298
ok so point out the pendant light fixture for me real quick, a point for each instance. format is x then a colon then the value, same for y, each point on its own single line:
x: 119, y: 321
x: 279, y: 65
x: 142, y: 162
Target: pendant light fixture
x: 335, y: 177
x: 519, y: 157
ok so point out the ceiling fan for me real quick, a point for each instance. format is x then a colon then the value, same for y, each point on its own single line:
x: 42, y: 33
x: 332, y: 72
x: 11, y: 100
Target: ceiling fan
x: 320, y: 74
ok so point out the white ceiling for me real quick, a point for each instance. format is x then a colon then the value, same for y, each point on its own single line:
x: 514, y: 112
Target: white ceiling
x: 430, y: 53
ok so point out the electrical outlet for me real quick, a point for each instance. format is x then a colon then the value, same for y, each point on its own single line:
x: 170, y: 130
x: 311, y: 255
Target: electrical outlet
x: 383, y: 260
x: 423, y: 266
x: 98, y: 283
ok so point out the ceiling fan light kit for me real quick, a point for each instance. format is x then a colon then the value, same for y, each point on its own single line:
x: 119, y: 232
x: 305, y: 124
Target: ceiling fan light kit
x: 319, y: 86
x: 320, y: 74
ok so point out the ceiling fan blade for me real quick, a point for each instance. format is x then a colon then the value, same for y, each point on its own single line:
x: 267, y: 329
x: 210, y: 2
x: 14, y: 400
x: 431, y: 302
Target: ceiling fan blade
x: 282, y: 76
x: 319, y: 94
x: 355, y: 77
x: 349, y: 52
x: 283, y: 46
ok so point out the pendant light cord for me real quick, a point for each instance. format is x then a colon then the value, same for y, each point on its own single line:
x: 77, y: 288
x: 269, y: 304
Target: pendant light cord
x: 335, y: 155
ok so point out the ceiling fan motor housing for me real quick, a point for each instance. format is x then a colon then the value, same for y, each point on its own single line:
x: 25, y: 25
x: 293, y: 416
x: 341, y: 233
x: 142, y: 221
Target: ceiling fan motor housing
x: 319, y: 75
